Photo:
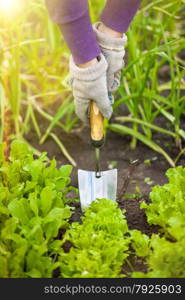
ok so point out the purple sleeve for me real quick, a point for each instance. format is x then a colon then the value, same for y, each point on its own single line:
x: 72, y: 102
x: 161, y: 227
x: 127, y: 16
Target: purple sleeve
x: 73, y: 18
x: 118, y: 14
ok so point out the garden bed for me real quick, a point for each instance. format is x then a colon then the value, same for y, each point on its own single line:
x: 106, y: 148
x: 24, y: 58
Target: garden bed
x: 149, y: 172
x: 44, y: 232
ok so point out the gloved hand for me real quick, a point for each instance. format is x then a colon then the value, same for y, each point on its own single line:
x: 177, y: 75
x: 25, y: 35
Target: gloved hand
x: 114, y: 52
x: 90, y: 84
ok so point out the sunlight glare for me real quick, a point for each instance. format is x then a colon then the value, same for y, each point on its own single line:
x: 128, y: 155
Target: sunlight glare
x: 10, y: 7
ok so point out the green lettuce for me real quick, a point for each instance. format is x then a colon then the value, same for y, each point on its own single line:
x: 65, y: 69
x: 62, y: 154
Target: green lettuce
x: 33, y: 209
x: 100, y: 243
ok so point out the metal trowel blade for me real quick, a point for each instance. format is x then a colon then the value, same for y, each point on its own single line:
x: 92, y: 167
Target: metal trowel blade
x: 92, y: 188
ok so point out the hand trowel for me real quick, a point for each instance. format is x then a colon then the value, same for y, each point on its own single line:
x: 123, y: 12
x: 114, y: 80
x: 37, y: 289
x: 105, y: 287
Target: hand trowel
x: 96, y: 184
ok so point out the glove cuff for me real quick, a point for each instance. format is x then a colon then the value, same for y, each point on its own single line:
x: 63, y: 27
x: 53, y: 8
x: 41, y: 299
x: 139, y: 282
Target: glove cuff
x: 89, y: 73
x: 107, y: 42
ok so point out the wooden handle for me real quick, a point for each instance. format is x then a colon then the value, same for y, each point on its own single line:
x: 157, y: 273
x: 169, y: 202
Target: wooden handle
x: 97, y: 126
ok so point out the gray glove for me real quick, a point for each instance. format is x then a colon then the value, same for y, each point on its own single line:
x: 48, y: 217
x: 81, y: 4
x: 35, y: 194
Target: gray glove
x: 114, y: 52
x: 90, y: 84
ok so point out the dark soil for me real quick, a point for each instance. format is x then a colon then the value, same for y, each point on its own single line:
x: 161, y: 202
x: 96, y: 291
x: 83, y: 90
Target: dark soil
x: 136, y: 217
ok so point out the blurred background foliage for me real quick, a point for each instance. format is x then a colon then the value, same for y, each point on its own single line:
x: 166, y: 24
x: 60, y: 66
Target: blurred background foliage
x: 34, y: 74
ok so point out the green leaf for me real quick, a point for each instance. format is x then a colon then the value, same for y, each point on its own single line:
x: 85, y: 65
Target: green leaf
x: 17, y: 209
x: 35, y: 168
x: 19, y: 150
x: 65, y: 171
x: 2, y: 148
x: 4, y: 270
x: 140, y: 243
x: 46, y: 199
x: 57, y: 213
x: 4, y: 210
x: 34, y: 203
x: 34, y: 273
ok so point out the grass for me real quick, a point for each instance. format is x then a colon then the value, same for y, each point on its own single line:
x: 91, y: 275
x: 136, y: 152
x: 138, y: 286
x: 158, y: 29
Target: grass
x: 155, y: 40
x: 34, y: 71
x: 34, y: 74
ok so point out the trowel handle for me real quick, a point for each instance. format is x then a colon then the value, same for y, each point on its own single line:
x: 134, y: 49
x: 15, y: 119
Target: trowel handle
x: 97, y: 125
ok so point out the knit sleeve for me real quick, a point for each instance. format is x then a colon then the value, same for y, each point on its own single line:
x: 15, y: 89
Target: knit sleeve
x: 118, y: 14
x: 73, y: 18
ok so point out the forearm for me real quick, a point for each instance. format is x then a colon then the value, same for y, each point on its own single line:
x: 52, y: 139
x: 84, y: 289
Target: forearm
x: 118, y: 14
x: 73, y: 18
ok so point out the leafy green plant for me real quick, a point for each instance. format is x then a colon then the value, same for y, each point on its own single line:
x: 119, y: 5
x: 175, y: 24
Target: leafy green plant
x: 164, y: 255
x: 140, y: 243
x: 167, y: 207
x: 100, y: 245
x: 165, y: 259
x: 33, y: 208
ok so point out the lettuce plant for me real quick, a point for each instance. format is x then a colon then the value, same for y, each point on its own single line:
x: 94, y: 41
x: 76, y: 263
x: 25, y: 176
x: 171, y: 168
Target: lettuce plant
x: 167, y: 207
x: 33, y: 208
x: 100, y: 243
x: 165, y: 255
x: 140, y: 243
x: 166, y: 259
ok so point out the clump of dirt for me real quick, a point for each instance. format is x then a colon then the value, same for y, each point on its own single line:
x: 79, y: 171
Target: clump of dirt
x: 77, y: 213
x: 134, y: 264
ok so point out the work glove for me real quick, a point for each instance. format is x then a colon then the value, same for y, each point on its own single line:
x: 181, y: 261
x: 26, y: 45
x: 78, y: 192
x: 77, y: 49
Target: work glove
x: 90, y: 84
x: 114, y: 52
